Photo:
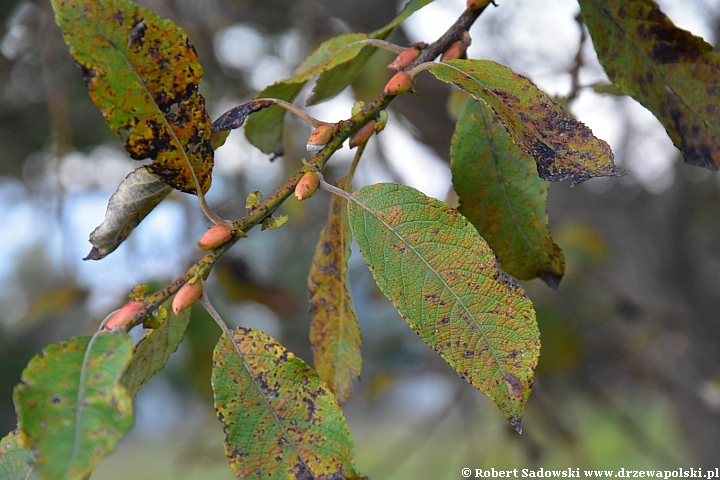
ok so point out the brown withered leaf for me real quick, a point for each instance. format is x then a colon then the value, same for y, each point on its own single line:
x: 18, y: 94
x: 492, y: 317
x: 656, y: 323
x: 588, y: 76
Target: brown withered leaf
x: 334, y: 332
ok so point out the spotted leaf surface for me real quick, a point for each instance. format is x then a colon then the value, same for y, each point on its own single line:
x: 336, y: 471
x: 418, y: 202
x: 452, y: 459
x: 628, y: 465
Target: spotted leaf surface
x: 443, y: 279
x: 15, y: 461
x: 136, y: 196
x: 143, y: 74
x: 502, y: 196
x: 334, y: 331
x: 154, y: 349
x: 280, y: 420
x: 337, y: 61
x: 673, y: 73
x: 561, y: 146
x: 71, y: 407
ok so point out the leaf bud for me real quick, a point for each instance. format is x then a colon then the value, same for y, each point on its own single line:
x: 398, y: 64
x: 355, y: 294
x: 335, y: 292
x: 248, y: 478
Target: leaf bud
x: 457, y: 49
x: 187, y: 295
x: 307, y: 185
x: 215, y: 236
x: 381, y: 121
x: 320, y: 137
x: 363, y: 134
x: 357, y: 106
x: 401, y: 82
x: 477, y: 4
x: 405, y: 59
x: 124, y: 315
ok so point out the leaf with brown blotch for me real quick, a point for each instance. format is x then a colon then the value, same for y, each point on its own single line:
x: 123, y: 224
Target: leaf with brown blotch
x: 334, y: 331
x: 561, y: 146
x: 280, y: 419
x: 136, y: 196
x: 673, y: 73
x: 501, y: 194
x: 143, y: 74
x: 443, y: 279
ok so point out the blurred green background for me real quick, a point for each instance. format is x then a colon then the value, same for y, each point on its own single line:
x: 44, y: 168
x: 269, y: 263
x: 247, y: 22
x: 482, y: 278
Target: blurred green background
x: 629, y: 374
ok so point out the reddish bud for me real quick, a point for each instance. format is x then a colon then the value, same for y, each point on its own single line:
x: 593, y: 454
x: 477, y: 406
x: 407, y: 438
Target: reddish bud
x: 477, y: 4
x: 187, y: 296
x: 124, y: 315
x: 320, y: 137
x: 215, y: 237
x: 362, y: 135
x: 307, y: 185
x: 453, y: 52
x: 401, y: 82
x: 405, y: 59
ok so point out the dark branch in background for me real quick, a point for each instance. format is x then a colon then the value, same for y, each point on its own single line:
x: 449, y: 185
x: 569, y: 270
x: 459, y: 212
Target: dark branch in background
x: 578, y: 62
x: 343, y: 130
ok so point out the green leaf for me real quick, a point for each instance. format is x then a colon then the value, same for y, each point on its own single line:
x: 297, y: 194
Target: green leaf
x: 334, y: 331
x: 442, y: 278
x: 673, y: 73
x: 337, y: 61
x: 502, y: 196
x: 15, y: 461
x: 136, y: 196
x: 72, y: 409
x: 143, y: 74
x: 280, y: 420
x: 561, y: 146
x: 153, y: 350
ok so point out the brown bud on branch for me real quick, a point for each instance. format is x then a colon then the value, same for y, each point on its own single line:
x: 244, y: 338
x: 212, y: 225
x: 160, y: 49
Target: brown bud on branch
x: 215, y: 237
x: 307, y: 185
x: 187, y: 295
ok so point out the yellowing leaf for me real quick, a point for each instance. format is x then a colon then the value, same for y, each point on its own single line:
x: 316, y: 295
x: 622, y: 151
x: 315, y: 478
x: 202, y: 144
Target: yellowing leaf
x: 442, y: 278
x: 502, y: 196
x: 136, y: 196
x: 143, y: 75
x: 673, y: 73
x: 561, y: 146
x: 334, y: 331
x: 72, y: 409
x: 280, y: 420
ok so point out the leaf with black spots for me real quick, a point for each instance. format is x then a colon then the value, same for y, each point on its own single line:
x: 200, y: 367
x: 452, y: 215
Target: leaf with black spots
x: 280, y: 420
x: 72, y: 408
x: 673, y: 73
x: 143, y: 74
x: 561, y: 146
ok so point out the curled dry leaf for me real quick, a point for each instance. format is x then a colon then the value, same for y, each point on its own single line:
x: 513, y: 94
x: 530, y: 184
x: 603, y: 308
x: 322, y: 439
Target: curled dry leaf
x: 136, y: 196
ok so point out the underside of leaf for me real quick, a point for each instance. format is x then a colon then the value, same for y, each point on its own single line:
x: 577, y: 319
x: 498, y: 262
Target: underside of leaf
x: 502, y: 196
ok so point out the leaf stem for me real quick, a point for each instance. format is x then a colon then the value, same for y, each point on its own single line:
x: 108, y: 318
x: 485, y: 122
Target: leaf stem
x: 205, y: 302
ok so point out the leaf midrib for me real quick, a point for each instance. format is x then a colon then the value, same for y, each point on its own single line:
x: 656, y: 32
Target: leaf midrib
x: 457, y: 298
